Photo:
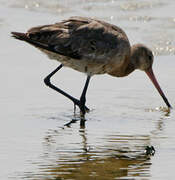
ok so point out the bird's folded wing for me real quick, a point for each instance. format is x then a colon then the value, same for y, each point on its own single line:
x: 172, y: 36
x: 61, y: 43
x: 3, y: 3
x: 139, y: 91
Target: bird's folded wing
x: 76, y: 38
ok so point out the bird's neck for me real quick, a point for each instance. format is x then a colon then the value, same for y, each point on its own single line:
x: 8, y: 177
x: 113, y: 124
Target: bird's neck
x: 133, y: 61
x: 127, y: 67
x: 130, y: 68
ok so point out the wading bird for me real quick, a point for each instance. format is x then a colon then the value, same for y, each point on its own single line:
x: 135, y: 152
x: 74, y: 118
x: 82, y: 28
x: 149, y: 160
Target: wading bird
x: 90, y: 46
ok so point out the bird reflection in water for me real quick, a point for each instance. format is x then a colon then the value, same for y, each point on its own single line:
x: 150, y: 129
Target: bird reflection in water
x: 85, y: 155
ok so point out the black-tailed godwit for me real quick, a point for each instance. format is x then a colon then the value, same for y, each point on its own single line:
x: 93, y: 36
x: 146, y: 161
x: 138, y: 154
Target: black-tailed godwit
x: 90, y: 46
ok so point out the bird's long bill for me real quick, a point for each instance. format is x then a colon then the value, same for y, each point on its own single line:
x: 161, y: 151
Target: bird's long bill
x: 156, y: 84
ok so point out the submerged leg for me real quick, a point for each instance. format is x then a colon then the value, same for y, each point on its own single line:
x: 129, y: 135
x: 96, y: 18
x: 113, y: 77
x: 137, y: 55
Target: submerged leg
x: 83, y: 96
x: 48, y: 83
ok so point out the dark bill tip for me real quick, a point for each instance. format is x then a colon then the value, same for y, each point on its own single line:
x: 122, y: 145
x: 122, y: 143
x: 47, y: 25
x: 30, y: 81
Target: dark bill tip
x: 156, y: 84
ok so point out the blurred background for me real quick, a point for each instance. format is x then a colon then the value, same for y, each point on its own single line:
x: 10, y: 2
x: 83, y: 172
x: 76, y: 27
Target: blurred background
x: 127, y: 114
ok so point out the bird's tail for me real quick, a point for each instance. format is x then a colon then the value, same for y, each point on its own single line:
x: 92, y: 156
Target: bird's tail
x: 40, y: 45
x: 26, y: 38
x: 20, y: 36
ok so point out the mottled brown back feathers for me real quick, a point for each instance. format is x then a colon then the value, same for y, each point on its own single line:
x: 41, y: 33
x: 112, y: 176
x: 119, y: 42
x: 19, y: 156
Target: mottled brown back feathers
x: 81, y: 38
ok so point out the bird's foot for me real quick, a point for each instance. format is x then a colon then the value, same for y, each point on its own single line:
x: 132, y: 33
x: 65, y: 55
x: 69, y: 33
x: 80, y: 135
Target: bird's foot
x: 83, y: 108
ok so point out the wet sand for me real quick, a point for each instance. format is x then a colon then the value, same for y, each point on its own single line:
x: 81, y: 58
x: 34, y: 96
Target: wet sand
x: 127, y: 114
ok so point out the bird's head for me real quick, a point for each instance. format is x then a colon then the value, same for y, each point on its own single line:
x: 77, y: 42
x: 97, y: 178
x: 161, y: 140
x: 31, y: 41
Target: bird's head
x: 142, y: 58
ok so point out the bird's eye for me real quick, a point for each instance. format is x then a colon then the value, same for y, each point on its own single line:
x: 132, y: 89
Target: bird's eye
x: 150, y: 57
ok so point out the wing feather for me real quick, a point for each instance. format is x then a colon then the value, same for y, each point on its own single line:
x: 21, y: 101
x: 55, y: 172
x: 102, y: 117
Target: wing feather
x: 78, y: 38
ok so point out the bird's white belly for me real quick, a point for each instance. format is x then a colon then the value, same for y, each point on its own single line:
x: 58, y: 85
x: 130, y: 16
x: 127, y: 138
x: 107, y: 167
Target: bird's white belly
x: 82, y: 65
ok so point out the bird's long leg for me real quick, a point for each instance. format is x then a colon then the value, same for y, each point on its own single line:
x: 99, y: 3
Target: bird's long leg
x: 48, y: 83
x: 83, y: 96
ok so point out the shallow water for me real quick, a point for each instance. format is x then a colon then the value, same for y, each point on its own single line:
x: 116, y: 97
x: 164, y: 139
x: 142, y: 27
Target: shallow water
x: 127, y: 114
